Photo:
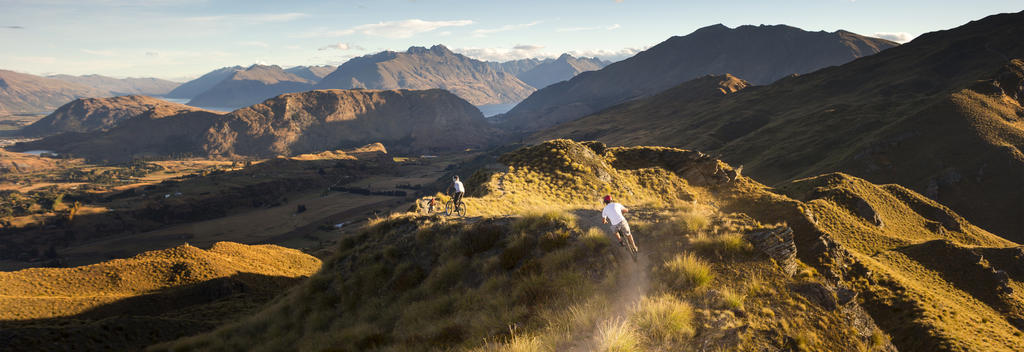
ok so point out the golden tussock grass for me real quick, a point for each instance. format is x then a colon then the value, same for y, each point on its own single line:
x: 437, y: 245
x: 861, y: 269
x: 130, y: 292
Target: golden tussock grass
x: 618, y: 335
x: 664, y: 318
x: 686, y: 271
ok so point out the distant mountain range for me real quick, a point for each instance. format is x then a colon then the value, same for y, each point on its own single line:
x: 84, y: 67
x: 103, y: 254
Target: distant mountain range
x: 99, y: 114
x: 312, y: 73
x: 122, y: 86
x: 22, y: 93
x: 941, y: 115
x: 191, y: 89
x: 29, y: 94
x: 565, y: 67
x: 542, y: 73
x: 758, y: 54
x: 237, y: 86
x: 308, y: 122
x: 423, y: 68
x: 251, y: 86
x: 482, y: 83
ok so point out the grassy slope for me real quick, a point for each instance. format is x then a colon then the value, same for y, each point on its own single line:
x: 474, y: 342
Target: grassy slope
x: 912, y: 115
x: 155, y: 296
x: 414, y: 283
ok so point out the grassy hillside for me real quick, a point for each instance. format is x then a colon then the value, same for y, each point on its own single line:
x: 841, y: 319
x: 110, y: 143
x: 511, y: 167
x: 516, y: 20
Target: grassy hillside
x: 551, y: 279
x: 155, y: 296
x: 759, y: 54
x: 940, y: 115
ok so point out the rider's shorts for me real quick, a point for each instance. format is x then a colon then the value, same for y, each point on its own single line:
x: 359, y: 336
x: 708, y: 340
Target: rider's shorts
x: 622, y: 227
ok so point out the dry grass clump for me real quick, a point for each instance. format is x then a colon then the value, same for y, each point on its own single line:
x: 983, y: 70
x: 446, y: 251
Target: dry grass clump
x: 686, y: 271
x: 595, y: 238
x: 682, y: 223
x: 664, y: 318
x: 618, y: 335
x: 730, y: 299
x: 730, y: 244
x: 538, y: 221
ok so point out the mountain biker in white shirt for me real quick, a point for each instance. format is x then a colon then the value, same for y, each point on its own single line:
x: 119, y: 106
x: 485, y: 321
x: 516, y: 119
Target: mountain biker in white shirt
x: 612, y: 214
x: 459, y: 190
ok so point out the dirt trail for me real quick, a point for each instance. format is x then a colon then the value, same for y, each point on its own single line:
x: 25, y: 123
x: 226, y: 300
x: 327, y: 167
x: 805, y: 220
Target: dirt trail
x: 632, y: 288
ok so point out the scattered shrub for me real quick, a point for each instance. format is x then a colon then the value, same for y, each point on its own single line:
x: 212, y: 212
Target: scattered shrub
x: 481, y: 237
x: 730, y: 244
x: 541, y: 222
x: 554, y: 239
x: 618, y: 336
x: 686, y: 271
x: 730, y: 299
x: 595, y: 238
x: 518, y: 248
x: 665, y: 318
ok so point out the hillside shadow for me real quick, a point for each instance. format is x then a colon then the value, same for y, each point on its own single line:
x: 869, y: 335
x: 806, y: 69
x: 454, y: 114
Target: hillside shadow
x: 136, y: 322
x: 188, y: 199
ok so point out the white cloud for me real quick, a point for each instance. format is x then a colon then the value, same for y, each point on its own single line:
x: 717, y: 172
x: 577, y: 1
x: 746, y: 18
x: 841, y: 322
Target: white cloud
x: 899, y: 37
x: 609, y: 55
x: 254, y: 43
x: 527, y: 47
x: 594, y: 28
x: 341, y: 46
x: 249, y: 18
x: 524, y: 51
x: 521, y: 51
x: 508, y: 27
x: 388, y: 29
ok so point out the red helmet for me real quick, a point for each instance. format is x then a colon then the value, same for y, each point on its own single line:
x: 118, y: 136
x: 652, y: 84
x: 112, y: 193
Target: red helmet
x: 607, y: 198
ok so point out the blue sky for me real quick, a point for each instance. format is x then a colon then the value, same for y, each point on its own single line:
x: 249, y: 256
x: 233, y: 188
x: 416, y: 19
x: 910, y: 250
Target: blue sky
x: 180, y: 39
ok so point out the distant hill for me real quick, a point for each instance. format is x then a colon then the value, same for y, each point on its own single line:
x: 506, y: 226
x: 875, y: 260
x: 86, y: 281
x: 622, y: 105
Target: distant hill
x: 644, y: 117
x: 127, y: 304
x: 312, y: 73
x: 28, y: 94
x: 295, y: 123
x: 122, y: 86
x: 758, y: 54
x: 515, y: 67
x: 251, y: 86
x: 941, y: 115
x: 422, y: 68
x: 556, y: 70
x: 190, y: 89
x: 97, y: 114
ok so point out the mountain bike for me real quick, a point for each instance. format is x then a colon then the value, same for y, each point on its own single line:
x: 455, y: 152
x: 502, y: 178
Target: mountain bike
x: 451, y: 208
x: 426, y: 208
x: 630, y: 244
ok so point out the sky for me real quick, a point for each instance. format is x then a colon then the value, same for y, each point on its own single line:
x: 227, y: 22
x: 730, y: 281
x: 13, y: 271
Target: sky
x: 183, y: 39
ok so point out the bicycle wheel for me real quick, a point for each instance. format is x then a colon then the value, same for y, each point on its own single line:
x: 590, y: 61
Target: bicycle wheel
x: 633, y: 251
x: 448, y: 208
x: 461, y: 209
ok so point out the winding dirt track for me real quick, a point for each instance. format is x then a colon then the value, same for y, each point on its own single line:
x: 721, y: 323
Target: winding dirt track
x: 631, y: 289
